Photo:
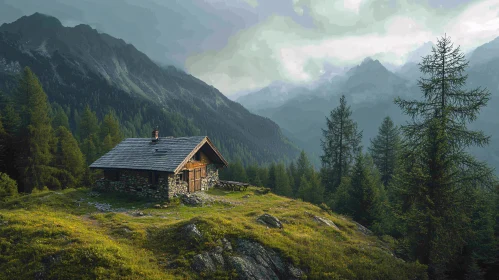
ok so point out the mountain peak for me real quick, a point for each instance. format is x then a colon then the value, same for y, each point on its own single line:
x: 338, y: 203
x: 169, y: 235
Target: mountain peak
x: 367, y: 60
x: 40, y: 20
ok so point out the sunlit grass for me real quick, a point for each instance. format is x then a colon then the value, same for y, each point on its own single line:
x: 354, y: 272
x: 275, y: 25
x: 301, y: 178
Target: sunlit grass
x: 61, y: 234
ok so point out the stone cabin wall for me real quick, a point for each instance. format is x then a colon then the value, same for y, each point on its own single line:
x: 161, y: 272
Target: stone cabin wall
x: 169, y: 185
x: 136, y: 182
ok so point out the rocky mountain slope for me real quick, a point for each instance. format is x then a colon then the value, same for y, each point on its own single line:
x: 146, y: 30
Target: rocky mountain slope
x: 218, y: 235
x: 79, y: 66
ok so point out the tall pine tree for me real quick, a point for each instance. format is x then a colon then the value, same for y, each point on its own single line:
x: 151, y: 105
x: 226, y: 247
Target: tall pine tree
x: 384, y: 150
x: 340, y: 144
x: 35, y: 135
x: 68, y: 159
x: 441, y: 170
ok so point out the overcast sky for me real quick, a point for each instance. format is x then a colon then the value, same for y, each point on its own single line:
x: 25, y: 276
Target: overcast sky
x: 238, y: 45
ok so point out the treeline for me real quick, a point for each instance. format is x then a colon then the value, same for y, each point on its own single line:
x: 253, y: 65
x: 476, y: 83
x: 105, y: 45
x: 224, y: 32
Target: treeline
x: 38, y: 150
x: 298, y: 179
x: 415, y: 184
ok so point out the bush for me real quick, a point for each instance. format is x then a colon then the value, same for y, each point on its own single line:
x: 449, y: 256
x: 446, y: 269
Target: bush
x: 8, y: 186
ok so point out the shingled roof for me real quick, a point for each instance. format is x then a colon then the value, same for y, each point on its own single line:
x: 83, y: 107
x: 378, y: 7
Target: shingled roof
x: 166, y: 154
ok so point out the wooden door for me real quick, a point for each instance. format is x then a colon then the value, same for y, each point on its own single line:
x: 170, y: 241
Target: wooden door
x: 197, y: 182
x: 191, y: 181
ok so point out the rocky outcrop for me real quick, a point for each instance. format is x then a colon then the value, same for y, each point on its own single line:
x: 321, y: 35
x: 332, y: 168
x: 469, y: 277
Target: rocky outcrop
x: 270, y: 221
x: 248, y: 258
x: 191, y: 233
x: 363, y: 229
x: 257, y: 262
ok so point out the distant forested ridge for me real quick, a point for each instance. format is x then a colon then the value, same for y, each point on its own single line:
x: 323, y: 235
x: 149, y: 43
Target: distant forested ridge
x: 79, y: 67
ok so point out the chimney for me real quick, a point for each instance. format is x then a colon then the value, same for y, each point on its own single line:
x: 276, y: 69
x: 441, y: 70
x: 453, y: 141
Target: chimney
x: 155, y: 135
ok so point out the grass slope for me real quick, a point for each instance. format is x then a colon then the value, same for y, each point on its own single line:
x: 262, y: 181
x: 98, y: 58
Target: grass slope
x: 62, y: 235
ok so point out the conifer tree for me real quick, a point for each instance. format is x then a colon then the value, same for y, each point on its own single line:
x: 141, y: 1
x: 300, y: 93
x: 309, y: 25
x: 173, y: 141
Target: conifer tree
x: 282, y: 186
x: 35, y: 135
x: 316, y: 194
x: 238, y: 173
x: 272, y: 177
x: 68, y: 159
x: 8, y: 186
x: 88, y: 129
x: 304, y: 190
x: 384, y: 150
x: 440, y: 168
x: 263, y: 174
x: 253, y: 175
x: 364, y: 191
x: 11, y: 119
x: 60, y: 118
x: 340, y: 144
x: 110, y: 133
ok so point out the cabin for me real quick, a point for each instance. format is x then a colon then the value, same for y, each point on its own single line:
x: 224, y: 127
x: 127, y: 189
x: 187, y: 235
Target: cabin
x: 160, y: 167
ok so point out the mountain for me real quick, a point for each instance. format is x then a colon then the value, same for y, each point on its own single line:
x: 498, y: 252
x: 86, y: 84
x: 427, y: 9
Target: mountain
x: 369, y: 88
x: 485, y: 53
x: 79, y: 66
x: 271, y: 96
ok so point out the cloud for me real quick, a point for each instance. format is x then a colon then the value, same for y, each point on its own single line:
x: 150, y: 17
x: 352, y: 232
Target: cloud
x: 344, y: 33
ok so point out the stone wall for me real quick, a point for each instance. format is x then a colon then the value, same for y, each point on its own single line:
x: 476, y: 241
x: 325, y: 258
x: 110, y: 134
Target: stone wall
x: 136, y: 183
x: 211, y: 178
x: 177, y: 186
x: 168, y: 185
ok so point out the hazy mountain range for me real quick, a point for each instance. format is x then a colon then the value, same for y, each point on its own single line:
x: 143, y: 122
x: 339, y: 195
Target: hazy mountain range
x: 79, y: 66
x: 370, y: 89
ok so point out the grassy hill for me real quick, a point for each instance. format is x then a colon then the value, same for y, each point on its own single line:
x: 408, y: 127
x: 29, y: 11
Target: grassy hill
x: 80, y: 234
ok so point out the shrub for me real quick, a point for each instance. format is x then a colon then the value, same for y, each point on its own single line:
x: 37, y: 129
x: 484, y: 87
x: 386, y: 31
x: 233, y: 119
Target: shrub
x: 8, y: 186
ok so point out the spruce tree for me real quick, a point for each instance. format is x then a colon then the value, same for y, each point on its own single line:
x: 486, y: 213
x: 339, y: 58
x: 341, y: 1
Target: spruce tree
x: 60, y: 118
x: 68, y: 159
x: 272, y: 177
x: 35, y: 135
x: 364, y: 191
x: 238, y: 173
x: 340, y: 144
x: 384, y: 149
x: 316, y: 194
x: 282, y: 186
x: 110, y: 129
x: 304, y: 190
x: 440, y: 170
x: 88, y: 129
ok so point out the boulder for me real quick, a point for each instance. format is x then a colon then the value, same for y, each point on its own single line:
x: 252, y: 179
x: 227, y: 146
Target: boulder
x: 203, y: 263
x: 191, y: 233
x: 362, y: 229
x: 192, y: 199
x: 326, y: 222
x: 270, y: 221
